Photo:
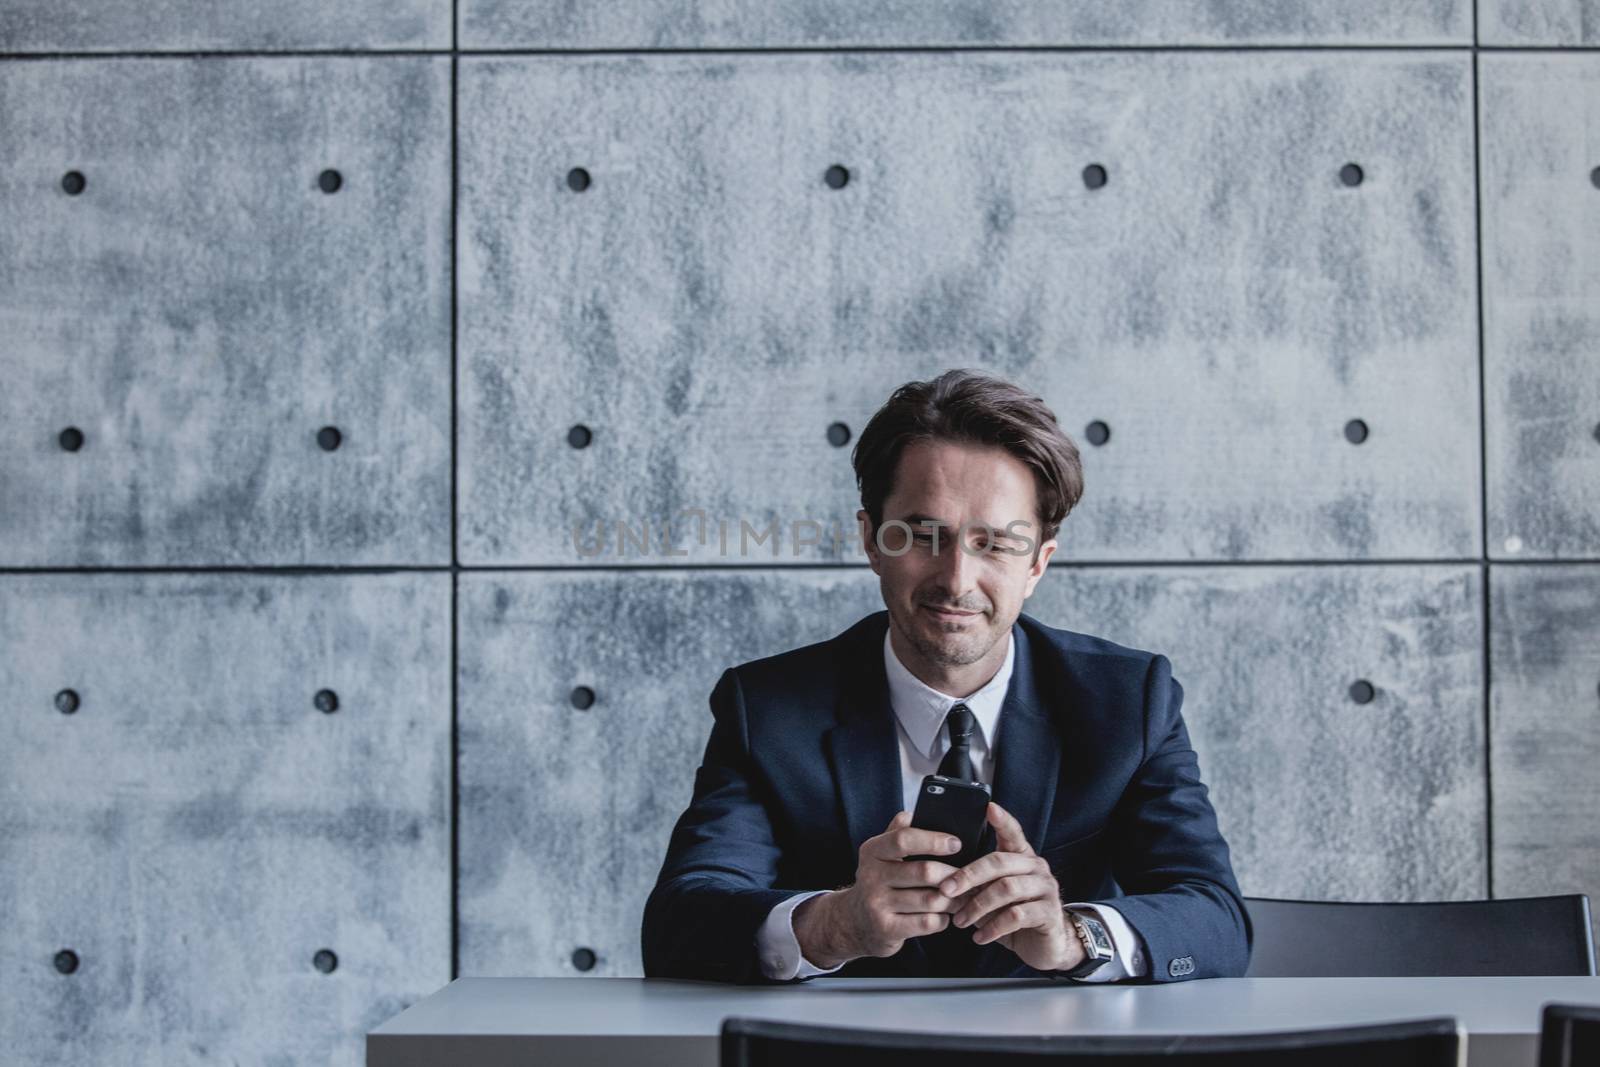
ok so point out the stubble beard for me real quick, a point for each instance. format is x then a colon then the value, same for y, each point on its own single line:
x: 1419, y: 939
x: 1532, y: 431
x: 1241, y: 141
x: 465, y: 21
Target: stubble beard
x: 958, y: 650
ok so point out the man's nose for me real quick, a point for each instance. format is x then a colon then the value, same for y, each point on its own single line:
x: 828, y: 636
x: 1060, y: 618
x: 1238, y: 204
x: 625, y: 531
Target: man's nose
x: 955, y: 569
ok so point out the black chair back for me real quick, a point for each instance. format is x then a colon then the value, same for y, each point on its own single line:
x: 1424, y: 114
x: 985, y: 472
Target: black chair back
x: 1522, y: 935
x: 1433, y: 1042
x: 1569, y: 1035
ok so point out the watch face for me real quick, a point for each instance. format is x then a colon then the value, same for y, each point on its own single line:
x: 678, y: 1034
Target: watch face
x: 1097, y: 939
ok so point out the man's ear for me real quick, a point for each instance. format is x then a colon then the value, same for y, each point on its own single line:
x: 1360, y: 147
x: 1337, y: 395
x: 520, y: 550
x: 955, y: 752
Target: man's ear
x: 868, y: 539
x: 1036, y: 572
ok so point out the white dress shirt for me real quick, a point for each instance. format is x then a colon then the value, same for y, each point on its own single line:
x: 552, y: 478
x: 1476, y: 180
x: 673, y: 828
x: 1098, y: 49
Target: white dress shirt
x: 920, y: 713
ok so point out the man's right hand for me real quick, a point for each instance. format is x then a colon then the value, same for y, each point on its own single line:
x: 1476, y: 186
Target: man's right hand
x: 892, y: 899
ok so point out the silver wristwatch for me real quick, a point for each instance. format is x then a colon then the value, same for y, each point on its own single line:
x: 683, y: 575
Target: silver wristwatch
x: 1096, y: 940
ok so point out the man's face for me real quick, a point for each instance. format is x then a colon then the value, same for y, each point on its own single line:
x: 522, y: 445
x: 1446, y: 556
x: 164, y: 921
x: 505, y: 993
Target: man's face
x: 939, y: 487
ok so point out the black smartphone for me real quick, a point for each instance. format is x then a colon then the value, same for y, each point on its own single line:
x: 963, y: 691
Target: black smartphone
x: 953, y: 806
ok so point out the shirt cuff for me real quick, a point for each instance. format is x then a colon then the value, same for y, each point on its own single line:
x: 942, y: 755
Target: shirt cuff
x: 779, y: 949
x: 1129, y: 961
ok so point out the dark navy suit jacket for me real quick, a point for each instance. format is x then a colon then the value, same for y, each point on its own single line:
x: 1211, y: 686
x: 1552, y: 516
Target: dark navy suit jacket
x: 803, y: 765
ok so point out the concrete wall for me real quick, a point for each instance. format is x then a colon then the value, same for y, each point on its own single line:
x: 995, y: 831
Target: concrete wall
x: 331, y: 667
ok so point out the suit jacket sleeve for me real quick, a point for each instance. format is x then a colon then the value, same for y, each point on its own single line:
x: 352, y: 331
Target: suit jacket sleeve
x: 715, y: 888
x: 1169, y: 856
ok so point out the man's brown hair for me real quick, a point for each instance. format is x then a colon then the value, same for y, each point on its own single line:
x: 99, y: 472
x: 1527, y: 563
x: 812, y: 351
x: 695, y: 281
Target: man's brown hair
x: 968, y: 407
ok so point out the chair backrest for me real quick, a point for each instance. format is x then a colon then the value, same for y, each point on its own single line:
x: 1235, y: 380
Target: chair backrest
x: 1521, y: 935
x: 1434, y: 1042
x: 1569, y: 1035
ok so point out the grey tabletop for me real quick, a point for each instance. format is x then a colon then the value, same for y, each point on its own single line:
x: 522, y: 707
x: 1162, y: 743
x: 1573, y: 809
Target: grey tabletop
x: 659, y: 1021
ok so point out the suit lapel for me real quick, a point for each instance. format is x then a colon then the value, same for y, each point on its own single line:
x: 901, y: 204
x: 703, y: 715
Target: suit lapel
x: 1027, y: 764
x: 862, y: 747
x: 1027, y: 750
x: 864, y: 750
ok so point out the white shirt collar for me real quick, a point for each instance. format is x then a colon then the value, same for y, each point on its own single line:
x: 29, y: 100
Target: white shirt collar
x: 921, y: 709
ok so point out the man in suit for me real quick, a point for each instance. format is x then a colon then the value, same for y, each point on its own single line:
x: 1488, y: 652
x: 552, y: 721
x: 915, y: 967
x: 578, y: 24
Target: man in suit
x: 1103, y: 860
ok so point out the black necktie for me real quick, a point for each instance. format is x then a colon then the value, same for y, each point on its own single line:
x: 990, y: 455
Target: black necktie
x: 957, y: 763
x: 951, y: 953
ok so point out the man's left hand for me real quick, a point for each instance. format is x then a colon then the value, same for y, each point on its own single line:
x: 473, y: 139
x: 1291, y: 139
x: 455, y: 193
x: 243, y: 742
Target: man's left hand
x: 1015, y: 900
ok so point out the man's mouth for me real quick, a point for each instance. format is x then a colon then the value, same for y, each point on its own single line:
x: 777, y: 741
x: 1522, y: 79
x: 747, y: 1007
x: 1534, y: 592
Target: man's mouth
x: 949, y: 614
